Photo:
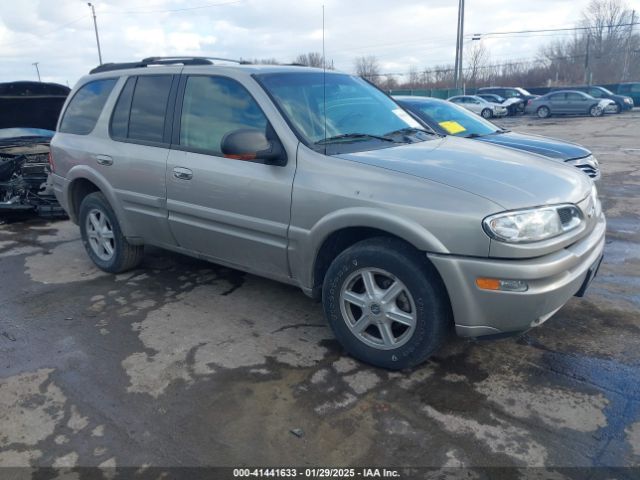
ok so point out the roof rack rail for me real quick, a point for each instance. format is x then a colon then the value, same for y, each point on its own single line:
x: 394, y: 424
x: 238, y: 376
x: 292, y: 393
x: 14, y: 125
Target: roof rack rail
x: 145, y: 62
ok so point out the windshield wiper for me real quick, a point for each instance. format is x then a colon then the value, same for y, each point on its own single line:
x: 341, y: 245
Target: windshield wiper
x: 408, y: 131
x: 353, y: 136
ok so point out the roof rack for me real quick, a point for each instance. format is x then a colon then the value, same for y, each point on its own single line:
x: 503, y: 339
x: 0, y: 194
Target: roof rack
x: 145, y: 62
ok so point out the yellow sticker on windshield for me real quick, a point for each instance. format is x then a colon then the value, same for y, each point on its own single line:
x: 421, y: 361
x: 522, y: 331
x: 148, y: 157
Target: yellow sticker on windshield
x: 452, y: 127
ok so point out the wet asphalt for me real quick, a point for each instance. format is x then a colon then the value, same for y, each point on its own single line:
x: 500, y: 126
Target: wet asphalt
x: 184, y: 363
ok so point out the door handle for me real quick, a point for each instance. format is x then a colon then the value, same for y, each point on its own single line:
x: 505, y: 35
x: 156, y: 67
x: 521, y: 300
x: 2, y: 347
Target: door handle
x: 182, y: 173
x: 104, y: 159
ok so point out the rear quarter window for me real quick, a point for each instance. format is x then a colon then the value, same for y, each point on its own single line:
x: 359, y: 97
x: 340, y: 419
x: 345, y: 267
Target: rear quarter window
x: 82, y: 113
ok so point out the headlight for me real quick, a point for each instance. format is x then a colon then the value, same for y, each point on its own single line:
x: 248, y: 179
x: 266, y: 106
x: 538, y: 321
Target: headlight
x: 532, y: 225
x: 627, y: 100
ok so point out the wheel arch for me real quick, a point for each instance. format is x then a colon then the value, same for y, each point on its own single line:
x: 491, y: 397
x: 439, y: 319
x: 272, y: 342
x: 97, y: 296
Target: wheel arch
x: 340, y: 230
x: 84, y: 181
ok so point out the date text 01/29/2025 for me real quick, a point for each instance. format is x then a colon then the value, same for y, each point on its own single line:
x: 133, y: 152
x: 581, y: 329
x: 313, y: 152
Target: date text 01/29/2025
x: 315, y: 473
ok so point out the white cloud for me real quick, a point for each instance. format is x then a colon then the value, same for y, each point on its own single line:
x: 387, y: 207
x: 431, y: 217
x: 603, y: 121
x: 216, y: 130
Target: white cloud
x: 60, y: 34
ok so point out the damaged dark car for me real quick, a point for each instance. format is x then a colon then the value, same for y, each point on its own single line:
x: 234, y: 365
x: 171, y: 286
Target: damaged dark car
x: 28, y: 115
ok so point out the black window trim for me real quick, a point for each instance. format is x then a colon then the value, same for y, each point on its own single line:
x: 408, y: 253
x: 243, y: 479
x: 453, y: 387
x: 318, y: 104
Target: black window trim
x: 169, y: 111
x: 101, y: 110
x: 177, y: 119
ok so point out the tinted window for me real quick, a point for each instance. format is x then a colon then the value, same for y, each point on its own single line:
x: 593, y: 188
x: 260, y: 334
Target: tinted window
x: 148, y: 108
x: 557, y: 97
x: 120, y: 118
x: 84, y: 109
x: 594, y: 92
x: 213, y: 107
x: 575, y: 96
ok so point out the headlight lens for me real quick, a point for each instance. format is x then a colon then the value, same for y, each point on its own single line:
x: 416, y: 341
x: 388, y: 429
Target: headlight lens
x: 532, y: 225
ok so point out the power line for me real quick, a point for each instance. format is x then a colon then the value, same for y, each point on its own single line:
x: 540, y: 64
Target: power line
x: 173, y: 10
x: 612, y: 25
x: 57, y: 30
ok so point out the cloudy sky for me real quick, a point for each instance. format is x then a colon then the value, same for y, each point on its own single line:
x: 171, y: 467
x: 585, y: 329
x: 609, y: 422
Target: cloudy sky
x: 59, y: 33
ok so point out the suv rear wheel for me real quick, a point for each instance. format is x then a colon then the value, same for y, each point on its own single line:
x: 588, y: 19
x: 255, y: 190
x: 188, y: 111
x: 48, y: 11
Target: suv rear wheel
x: 386, y: 305
x: 102, y: 237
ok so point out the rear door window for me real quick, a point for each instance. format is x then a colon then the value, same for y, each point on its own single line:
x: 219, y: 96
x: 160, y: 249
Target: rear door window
x: 149, y: 107
x: 85, y: 107
x: 140, y: 112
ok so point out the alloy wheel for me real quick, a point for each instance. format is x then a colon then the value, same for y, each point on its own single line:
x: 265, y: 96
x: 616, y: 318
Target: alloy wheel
x: 100, y: 235
x: 378, y: 308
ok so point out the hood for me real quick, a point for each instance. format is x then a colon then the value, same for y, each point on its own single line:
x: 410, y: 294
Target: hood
x: 31, y: 104
x: 548, y: 147
x: 618, y: 98
x: 507, y: 177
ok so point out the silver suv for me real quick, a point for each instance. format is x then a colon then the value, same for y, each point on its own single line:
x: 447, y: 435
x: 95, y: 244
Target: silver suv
x: 320, y: 180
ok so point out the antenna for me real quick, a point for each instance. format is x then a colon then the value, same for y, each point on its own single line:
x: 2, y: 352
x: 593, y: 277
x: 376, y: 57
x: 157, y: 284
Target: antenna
x: 324, y: 84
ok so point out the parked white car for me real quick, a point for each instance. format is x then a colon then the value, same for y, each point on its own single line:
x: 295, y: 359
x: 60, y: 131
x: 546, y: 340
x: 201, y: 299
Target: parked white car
x: 480, y: 106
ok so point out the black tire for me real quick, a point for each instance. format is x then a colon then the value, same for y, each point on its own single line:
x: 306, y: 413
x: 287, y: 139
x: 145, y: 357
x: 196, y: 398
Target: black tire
x: 486, y: 113
x: 432, y: 308
x: 543, y: 112
x: 596, y: 111
x: 125, y: 256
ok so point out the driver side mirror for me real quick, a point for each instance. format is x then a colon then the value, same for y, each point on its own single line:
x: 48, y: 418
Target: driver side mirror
x: 252, y: 144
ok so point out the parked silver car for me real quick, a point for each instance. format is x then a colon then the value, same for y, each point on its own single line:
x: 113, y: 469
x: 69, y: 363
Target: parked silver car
x: 322, y: 181
x: 569, y: 102
x: 480, y: 106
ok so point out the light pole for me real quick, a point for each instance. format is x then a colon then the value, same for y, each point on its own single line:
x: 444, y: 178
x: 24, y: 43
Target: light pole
x: 457, y: 77
x: 35, y: 64
x: 95, y: 26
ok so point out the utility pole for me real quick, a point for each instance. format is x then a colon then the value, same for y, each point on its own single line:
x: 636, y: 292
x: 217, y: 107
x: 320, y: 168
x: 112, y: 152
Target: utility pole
x: 457, y: 76
x: 95, y: 26
x: 627, y: 55
x: 460, y: 63
x: 35, y: 64
x: 455, y: 68
x: 587, y: 67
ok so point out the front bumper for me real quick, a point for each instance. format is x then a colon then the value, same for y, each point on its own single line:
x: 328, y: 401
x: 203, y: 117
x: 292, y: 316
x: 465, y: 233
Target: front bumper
x: 552, y: 279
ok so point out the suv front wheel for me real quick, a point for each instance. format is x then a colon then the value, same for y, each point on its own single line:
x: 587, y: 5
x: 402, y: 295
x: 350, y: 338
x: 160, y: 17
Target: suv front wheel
x: 102, y: 237
x: 386, y: 304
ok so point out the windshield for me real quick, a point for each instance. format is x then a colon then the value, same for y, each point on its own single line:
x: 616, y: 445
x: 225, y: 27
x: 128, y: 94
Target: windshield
x: 606, y: 90
x: 453, y: 119
x: 522, y: 91
x: 356, y: 112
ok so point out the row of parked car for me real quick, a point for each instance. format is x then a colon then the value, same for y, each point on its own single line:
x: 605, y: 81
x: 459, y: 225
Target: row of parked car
x: 581, y: 100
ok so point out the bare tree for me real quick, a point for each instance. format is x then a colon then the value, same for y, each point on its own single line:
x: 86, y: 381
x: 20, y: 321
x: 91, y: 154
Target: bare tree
x: 311, y: 59
x: 368, y: 68
x: 477, y: 64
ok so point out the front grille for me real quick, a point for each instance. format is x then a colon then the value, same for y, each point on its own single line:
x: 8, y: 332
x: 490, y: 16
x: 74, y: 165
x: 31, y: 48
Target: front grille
x: 587, y: 165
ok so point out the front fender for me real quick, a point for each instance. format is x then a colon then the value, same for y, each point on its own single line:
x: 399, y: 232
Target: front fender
x: 305, y: 244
